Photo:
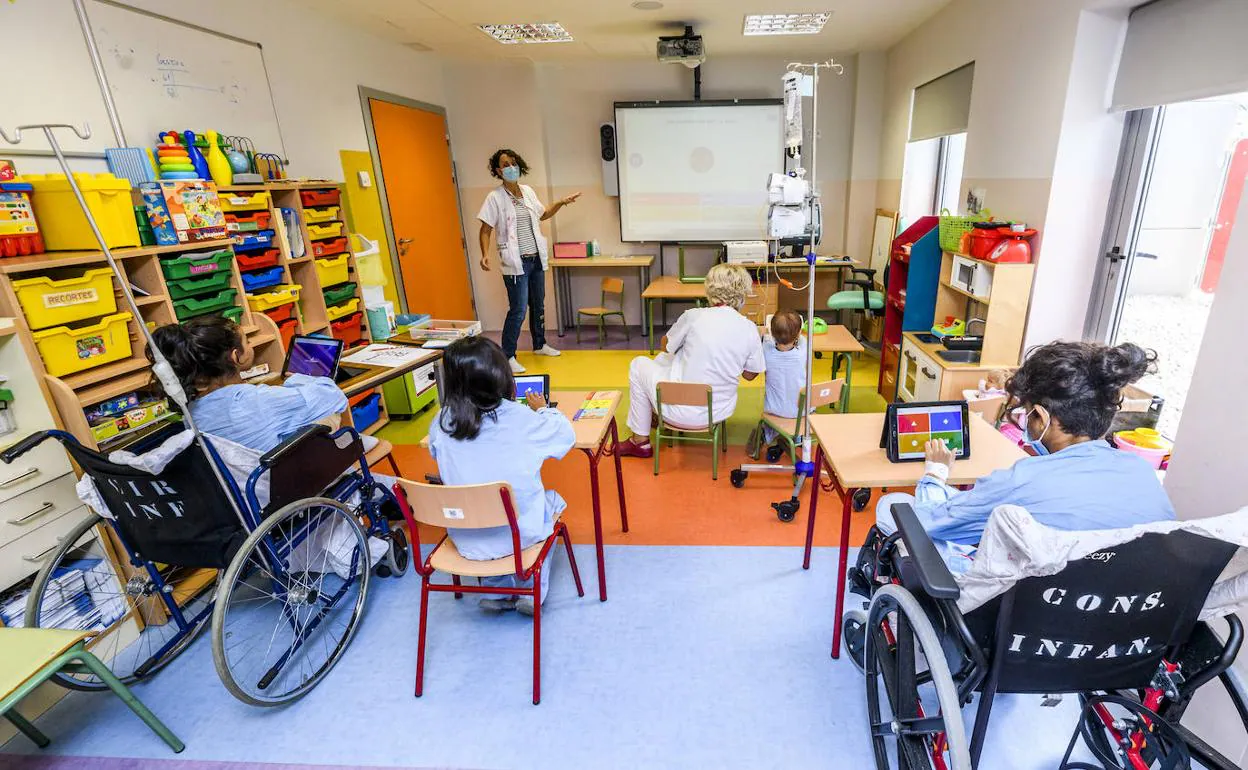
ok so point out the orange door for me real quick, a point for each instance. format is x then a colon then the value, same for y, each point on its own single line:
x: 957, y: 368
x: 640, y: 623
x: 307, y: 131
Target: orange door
x: 415, y: 157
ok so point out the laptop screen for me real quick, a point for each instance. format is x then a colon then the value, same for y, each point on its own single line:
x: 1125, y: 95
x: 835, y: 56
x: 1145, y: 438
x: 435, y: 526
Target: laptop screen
x: 314, y: 356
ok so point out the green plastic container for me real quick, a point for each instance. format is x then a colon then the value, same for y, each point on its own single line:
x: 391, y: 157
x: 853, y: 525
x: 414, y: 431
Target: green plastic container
x: 197, y: 265
x: 233, y: 313
x: 339, y: 293
x: 181, y: 288
x: 193, y: 306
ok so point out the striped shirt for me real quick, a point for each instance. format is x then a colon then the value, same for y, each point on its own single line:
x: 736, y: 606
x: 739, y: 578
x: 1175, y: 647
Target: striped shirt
x: 524, y: 228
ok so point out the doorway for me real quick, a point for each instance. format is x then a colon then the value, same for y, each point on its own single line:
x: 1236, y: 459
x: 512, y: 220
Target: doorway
x: 411, y: 148
x: 1180, y: 177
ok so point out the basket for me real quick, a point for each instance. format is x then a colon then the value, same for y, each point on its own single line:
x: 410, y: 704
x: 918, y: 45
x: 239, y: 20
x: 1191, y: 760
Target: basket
x: 348, y: 330
x: 334, y: 312
x: 261, y: 279
x: 318, y: 216
x: 279, y: 295
x: 328, y: 230
x: 339, y: 293
x: 67, y: 350
x: 244, y: 202
x: 333, y: 271
x: 47, y: 301
x: 197, y: 265
x: 209, y: 303
x: 194, y: 287
x: 952, y: 227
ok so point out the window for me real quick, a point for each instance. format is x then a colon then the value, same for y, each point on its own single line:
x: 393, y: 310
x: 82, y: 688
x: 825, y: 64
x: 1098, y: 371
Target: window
x: 931, y: 177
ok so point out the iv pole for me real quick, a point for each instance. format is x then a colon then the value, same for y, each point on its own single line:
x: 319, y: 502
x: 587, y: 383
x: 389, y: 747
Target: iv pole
x: 786, y: 510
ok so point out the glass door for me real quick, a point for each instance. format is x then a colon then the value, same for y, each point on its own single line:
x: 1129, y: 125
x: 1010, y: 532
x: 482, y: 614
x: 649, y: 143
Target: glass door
x: 1180, y: 176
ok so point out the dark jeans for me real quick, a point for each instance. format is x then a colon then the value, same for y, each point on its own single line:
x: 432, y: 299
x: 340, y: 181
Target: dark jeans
x: 525, y: 292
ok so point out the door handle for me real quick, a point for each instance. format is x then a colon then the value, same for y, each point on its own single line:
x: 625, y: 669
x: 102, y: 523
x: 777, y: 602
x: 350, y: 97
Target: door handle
x: 928, y: 374
x: 1145, y: 255
x: 404, y: 244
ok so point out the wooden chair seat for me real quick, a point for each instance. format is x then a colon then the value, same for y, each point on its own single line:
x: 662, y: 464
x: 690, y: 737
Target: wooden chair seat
x: 785, y: 425
x: 383, y: 451
x: 597, y: 311
x: 23, y: 654
x: 447, y: 558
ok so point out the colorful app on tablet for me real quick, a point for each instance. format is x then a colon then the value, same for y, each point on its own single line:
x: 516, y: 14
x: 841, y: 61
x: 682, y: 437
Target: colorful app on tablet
x: 919, y: 423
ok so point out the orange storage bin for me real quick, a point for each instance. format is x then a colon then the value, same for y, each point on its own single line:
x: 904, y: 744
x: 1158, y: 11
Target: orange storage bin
x: 281, y: 313
x: 248, y: 223
x: 348, y: 329
x: 330, y: 247
x: 257, y: 260
x: 319, y: 197
x: 287, y: 330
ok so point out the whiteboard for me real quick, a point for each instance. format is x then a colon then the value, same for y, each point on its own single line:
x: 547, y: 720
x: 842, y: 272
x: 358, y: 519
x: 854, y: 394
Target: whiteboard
x: 883, y: 233
x: 51, y: 79
x: 165, y: 75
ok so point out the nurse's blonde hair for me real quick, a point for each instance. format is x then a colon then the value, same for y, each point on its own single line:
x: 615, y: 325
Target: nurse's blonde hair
x: 728, y: 285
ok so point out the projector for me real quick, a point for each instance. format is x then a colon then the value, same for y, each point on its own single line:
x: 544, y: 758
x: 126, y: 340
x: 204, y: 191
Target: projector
x: 686, y: 49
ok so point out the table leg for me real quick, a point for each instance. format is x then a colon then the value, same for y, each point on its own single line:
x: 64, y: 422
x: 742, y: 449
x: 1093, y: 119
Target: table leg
x: 558, y: 281
x: 597, y: 505
x: 847, y: 509
x: 641, y: 286
x: 650, y: 322
x: 814, y: 503
x: 619, y: 475
x: 849, y: 376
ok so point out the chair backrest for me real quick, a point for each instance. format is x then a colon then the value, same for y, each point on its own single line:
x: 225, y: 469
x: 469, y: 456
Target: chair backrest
x: 613, y: 286
x: 1105, y: 621
x: 684, y: 393
x: 825, y: 393
x: 181, y: 516
x: 988, y: 408
x: 471, y: 506
x: 308, y: 462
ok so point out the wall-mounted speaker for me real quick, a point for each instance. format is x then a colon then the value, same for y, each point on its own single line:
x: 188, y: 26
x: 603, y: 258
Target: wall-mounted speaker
x: 610, y: 173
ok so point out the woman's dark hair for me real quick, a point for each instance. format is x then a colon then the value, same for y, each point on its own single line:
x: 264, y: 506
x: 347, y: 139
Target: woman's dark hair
x: 498, y: 156
x: 1080, y: 383
x: 199, y: 350
x: 476, y: 379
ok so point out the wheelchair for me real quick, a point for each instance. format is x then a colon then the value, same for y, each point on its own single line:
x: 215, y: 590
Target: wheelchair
x: 1118, y: 629
x: 281, y: 581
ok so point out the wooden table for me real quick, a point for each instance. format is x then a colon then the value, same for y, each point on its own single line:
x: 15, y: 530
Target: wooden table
x: 562, y: 267
x: 375, y: 376
x: 591, y: 438
x: 669, y: 288
x: 849, y: 449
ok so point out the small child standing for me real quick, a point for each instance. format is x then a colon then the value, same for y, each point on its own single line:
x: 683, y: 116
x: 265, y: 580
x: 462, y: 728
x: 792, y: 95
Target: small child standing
x: 785, y: 355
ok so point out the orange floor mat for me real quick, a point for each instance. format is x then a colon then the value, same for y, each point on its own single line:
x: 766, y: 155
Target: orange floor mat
x: 682, y: 505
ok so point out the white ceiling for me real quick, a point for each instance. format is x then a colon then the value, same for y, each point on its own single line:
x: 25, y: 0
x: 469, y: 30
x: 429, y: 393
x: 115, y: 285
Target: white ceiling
x: 613, y: 28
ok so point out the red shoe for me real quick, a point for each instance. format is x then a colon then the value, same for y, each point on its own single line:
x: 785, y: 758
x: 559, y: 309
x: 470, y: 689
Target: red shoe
x: 630, y: 449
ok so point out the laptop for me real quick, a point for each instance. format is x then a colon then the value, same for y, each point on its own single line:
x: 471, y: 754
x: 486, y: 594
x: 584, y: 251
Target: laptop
x: 317, y: 357
x: 533, y: 383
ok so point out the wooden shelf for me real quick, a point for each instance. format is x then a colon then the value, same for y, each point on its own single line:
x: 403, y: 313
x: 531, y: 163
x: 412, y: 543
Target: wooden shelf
x: 154, y: 299
x: 7, y: 327
x: 311, y: 328
x: 989, y: 263
x: 382, y: 422
x: 119, y: 386
x: 249, y: 330
x: 963, y: 292
x: 300, y: 260
x: 53, y: 259
x: 83, y: 380
x: 262, y: 339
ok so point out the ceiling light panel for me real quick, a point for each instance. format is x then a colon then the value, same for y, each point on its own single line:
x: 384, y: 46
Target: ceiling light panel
x: 785, y: 23
x: 512, y: 34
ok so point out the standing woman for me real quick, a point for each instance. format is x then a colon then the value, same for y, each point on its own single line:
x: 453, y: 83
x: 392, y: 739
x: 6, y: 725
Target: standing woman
x: 513, y: 211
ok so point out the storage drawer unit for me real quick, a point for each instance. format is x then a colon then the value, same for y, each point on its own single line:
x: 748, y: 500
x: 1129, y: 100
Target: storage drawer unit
x: 23, y: 557
x: 37, y: 507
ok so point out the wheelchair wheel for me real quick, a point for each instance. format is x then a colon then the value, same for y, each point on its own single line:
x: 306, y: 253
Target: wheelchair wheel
x: 78, y: 587
x: 394, y: 563
x: 290, y: 602
x: 854, y: 635
x: 919, y: 715
x: 738, y: 478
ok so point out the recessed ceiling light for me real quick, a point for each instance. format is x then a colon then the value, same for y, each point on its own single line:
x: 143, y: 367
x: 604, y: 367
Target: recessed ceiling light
x: 785, y: 23
x: 647, y: 5
x: 511, y: 34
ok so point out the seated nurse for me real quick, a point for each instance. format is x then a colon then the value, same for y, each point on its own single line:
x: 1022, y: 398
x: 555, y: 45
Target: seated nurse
x: 208, y: 354
x: 483, y: 435
x: 1064, y: 397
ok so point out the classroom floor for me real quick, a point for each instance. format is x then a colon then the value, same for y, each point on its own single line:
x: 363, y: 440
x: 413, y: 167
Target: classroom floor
x: 712, y: 650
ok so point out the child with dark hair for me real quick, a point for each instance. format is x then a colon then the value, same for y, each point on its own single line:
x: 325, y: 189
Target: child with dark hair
x: 1063, y: 398
x: 482, y: 435
x: 207, y: 355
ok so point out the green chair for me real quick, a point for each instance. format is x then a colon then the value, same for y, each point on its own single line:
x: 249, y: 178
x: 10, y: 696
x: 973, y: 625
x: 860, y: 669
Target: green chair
x: 30, y: 656
x: 612, y: 286
x: 688, y: 394
x: 786, y: 427
x: 861, y: 300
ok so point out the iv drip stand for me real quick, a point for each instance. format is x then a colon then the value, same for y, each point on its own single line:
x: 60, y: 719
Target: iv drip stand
x: 786, y: 510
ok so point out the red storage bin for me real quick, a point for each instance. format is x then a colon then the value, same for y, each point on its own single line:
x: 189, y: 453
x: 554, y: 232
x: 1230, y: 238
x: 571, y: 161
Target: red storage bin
x: 257, y: 260
x: 288, y: 329
x: 21, y: 245
x: 249, y: 221
x: 281, y: 313
x: 319, y: 197
x: 329, y: 247
x: 348, y: 329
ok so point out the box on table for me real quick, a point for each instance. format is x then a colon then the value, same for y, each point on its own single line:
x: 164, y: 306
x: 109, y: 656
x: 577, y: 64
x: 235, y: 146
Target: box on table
x: 440, y: 329
x: 746, y: 251
x: 183, y: 211
x: 572, y: 249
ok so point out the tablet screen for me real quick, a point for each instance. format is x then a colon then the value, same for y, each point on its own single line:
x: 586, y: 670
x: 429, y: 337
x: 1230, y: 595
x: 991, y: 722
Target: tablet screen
x: 313, y: 356
x: 916, y: 425
x: 531, y: 384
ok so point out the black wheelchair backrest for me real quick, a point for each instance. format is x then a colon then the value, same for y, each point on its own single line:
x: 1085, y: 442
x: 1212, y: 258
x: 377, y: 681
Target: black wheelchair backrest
x: 308, y: 462
x: 1105, y: 621
x: 182, y: 516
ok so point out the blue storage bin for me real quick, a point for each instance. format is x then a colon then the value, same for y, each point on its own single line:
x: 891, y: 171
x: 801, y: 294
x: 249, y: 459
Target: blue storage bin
x: 261, y: 239
x: 262, y: 279
x: 366, y: 412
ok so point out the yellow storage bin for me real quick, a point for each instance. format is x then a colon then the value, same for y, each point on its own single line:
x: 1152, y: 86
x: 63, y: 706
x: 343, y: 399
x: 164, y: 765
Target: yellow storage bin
x: 331, y: 230
x: 235, y: 201
x: 333, y: 271
x: 63, y: 225
x: 67, y: 350
x: 47, y: 301
x: 316, y: 216
x: 280, y: 295
x: 335, y: 312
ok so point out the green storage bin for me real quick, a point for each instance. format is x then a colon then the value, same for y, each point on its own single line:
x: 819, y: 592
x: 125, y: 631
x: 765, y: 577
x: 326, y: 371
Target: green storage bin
x: 193, y: 306
x: 233, y: 313
x: 340, y: 293
x: 197, y: 265
x: 197, y: 287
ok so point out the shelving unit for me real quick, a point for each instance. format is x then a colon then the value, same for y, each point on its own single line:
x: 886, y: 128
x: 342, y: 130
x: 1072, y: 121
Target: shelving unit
x: 1004, y: 311
x: 910, y: 298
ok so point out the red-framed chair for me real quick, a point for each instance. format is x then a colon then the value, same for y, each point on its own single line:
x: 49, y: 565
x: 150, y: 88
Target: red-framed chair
x: 477, y: 506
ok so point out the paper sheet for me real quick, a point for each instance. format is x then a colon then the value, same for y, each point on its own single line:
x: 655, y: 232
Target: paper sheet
x: 388, y: 356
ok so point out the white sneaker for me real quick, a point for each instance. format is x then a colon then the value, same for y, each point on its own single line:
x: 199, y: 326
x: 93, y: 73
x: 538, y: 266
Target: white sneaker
x: 547, y: 350
x: 516, y: 368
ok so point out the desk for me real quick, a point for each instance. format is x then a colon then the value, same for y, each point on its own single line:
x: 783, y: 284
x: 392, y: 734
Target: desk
x: 591, y: 438
x: 849, y: 449
x: 375, y: 376
x: 562, y: 268
x: 669, y: 287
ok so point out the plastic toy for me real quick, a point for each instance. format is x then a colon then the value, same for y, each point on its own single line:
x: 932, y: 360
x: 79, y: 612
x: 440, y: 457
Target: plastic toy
x: 952, y: 327
x: 173, y: 160
x: 183, y: 211
x: 197, y: 157
x: 238, y: 162
x: 218, y: 165
x: 820, y: 326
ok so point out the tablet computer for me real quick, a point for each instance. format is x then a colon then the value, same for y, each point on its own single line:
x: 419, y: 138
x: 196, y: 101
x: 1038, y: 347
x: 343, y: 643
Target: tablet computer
x: 532, y: 383
x: 313, y: 356
x: 909, y: 426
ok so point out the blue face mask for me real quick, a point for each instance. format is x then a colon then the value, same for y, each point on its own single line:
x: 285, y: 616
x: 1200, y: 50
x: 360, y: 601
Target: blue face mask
x: 1035, y: 443
x: 511, y: 173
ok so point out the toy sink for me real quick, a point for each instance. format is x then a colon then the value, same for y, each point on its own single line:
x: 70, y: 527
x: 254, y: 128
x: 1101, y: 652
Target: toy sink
x: 963, y: 343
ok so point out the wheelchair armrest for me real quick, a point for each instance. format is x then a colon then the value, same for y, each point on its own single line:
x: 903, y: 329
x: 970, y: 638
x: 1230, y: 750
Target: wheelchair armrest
x: 290, y: 442
x: 933, y: 573
x: 24, y: 446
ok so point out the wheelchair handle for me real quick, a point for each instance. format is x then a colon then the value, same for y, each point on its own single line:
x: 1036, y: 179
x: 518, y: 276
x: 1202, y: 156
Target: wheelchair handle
x: 24, y: 446
x: 273, y: 455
